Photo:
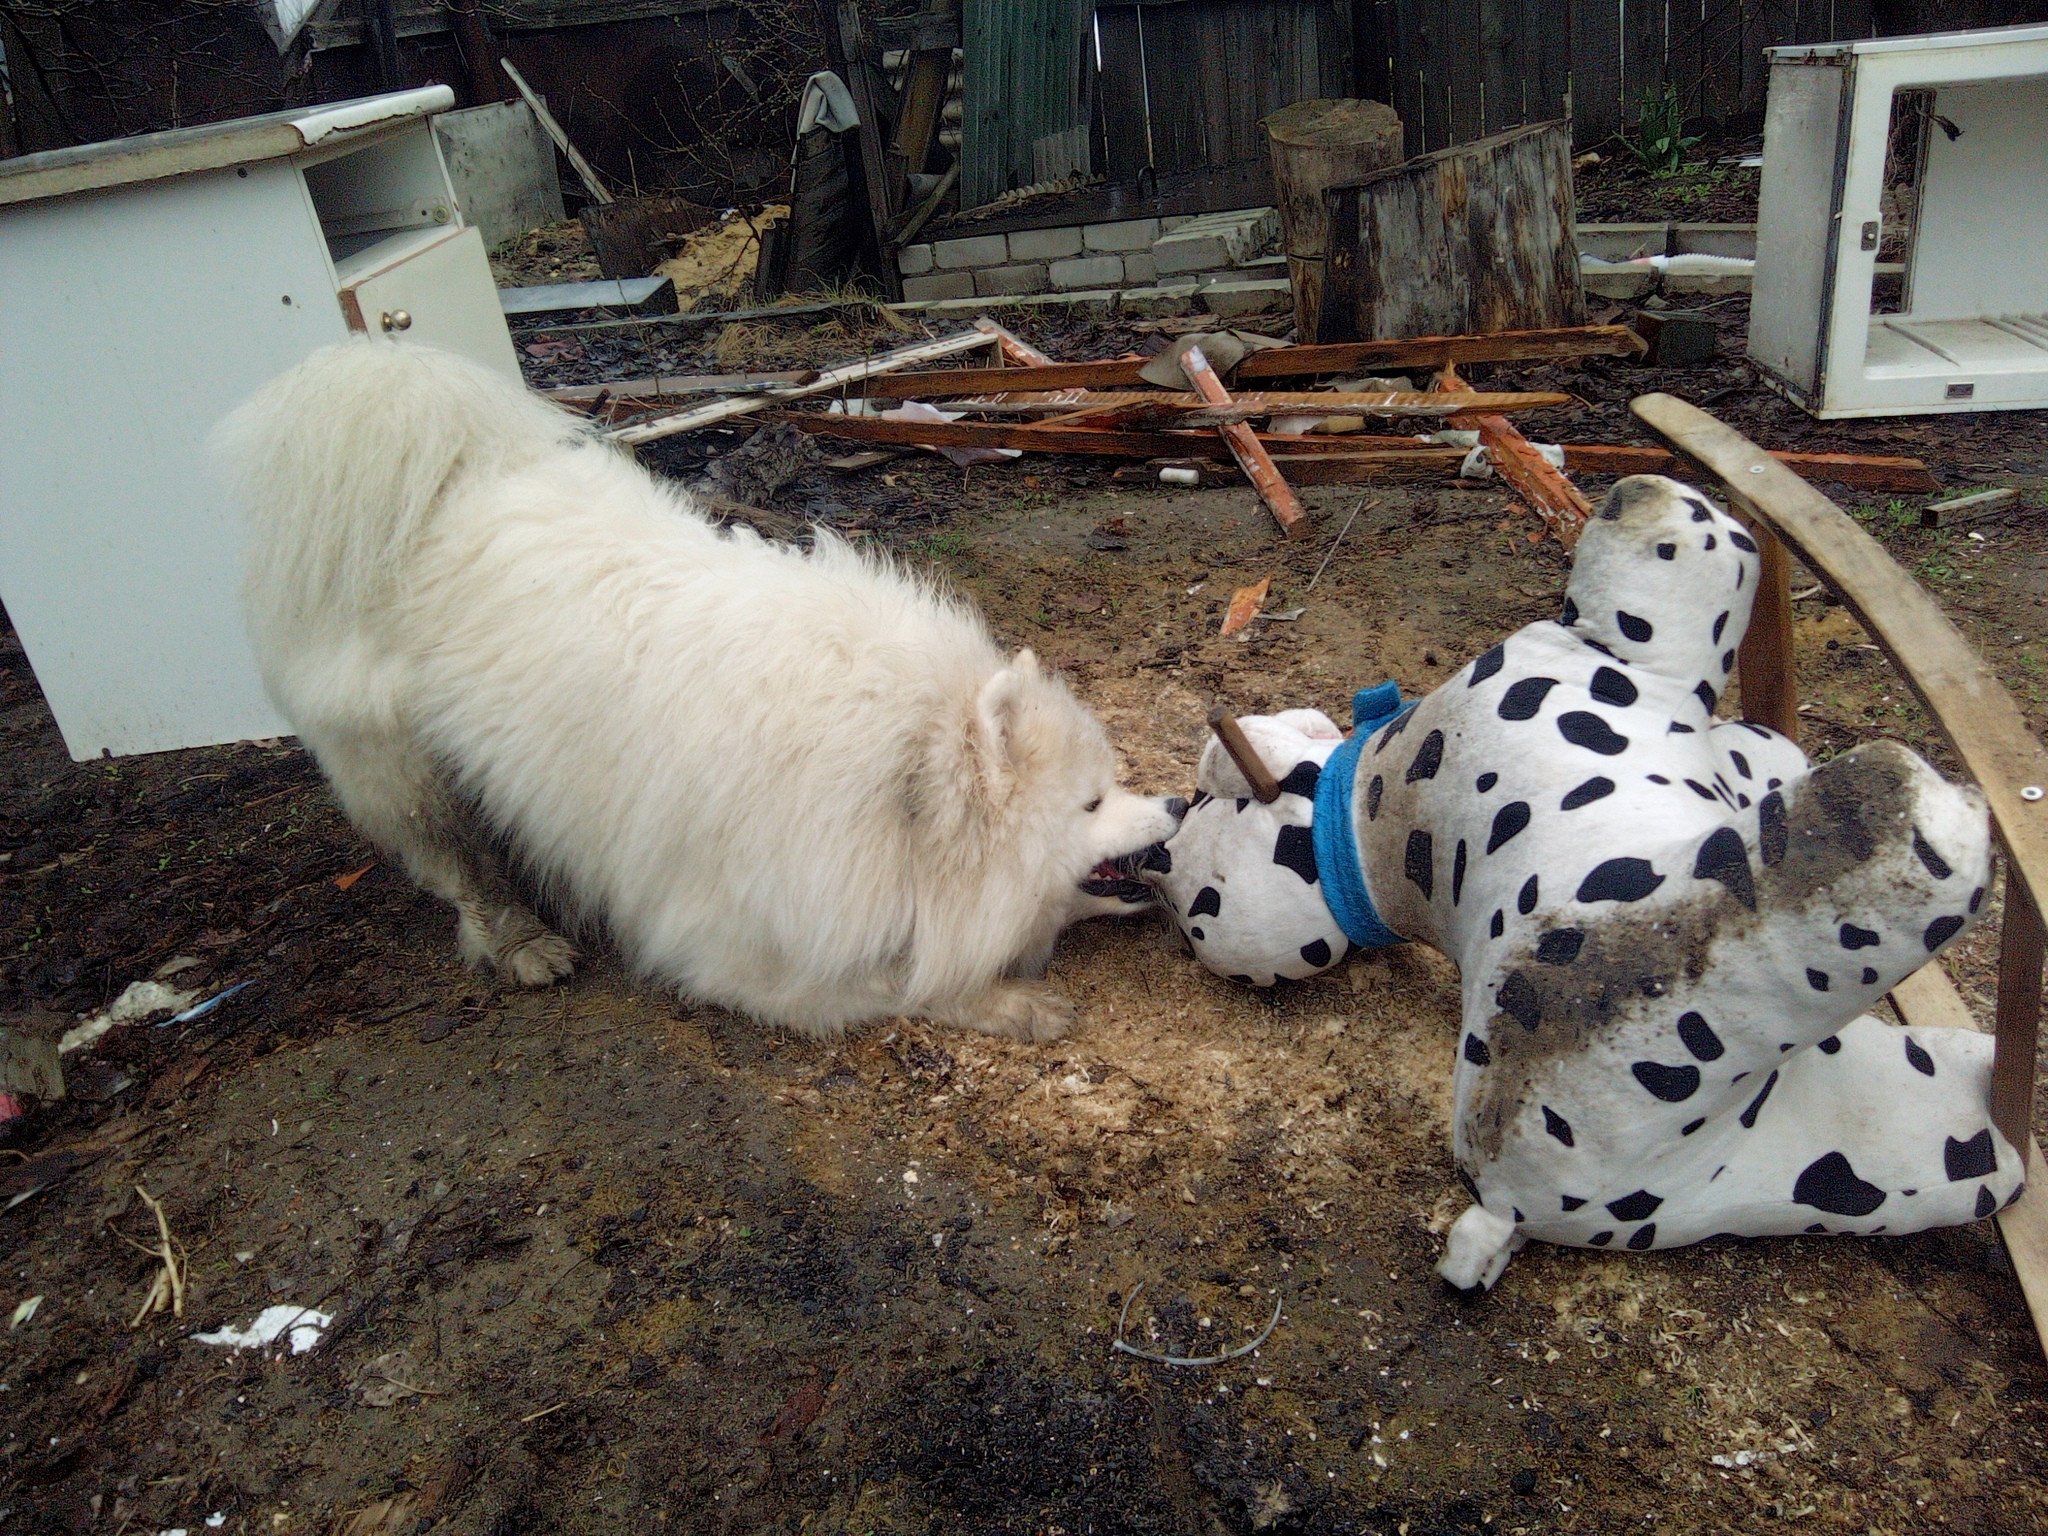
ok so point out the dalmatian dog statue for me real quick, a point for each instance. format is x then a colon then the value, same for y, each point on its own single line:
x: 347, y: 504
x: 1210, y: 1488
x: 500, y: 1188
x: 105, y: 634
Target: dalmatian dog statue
x: 1669, y: 928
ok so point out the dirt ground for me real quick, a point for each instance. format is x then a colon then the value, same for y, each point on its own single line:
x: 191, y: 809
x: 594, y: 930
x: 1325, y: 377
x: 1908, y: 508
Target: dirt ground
x: 599, y: 1260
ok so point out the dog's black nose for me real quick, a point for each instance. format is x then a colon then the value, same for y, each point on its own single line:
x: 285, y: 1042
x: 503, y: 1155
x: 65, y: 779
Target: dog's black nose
x: 1177, y: 808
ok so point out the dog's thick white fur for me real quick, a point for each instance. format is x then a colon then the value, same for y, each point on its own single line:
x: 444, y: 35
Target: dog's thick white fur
x: 804, y: 786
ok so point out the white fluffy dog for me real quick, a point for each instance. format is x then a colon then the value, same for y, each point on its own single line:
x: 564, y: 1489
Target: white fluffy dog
x: 804, y: 786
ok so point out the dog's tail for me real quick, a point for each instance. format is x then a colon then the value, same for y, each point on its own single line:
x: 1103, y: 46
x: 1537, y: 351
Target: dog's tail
x: 340, y: 462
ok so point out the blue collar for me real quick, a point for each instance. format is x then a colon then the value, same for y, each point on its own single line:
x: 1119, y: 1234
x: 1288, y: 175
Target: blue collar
x: 1337, y: 865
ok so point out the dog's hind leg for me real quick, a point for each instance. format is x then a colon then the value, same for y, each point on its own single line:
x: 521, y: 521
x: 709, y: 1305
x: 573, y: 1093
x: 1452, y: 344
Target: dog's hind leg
x: 400, y: 800
x: 1020, y: 1010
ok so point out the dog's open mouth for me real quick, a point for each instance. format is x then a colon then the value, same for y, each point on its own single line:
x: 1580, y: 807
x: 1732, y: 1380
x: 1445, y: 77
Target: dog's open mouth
x: 1118, y: 878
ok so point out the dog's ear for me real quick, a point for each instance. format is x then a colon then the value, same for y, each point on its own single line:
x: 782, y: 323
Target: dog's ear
x: 996, y: 711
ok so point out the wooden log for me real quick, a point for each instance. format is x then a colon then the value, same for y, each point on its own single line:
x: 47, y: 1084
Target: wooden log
x: 1770, y: 686
x: 1317, y: 145
x: 1471, y: 239
x: 1246, y: 448
x: 2020, y: 947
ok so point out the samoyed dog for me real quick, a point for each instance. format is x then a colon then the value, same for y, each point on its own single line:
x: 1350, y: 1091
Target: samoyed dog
x: 805, y: 786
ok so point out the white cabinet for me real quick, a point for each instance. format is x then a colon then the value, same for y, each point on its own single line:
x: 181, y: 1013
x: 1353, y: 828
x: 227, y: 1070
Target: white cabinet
x: 1970, y: 332
x: 147, y: 286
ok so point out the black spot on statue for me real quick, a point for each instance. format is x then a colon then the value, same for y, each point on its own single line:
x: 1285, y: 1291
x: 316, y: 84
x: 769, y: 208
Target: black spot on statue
x: 1858, y: 938
x: 1818, y: 980
x: 1699, y: 1037
x: 1316, y: 952
x: 1741, y: 764
x: 1524, y: 698
x: 1719, y: 625
x: 1486, y: 665
x: 1295, y: 849
x: 1394, y: 727
x: 1771, y: 831
x: 1570, y: 615
x: 1476, y: 1051
x: 1197, y: 933
x: 1832, y: 1046
x: 1634, y: 1207
x: 1611, y: 687
x: 1373, y: 791
x: 1499, y: 924
x: 1699, y: 789
x: 1986, y: 1201
x: 1558, y: 1126
x: 1722, y: 857
x: 1525, y: 900
x: 1486, y: 781
x: 1700, y: 514
x: 1976, y: 898
x: 1242, y: 802
x: 1656, y: 778
x: 1301, y: 779
x: 1972, y: 1159
x: 1830, y: 1184
x: 1937, y: 866
x: 1582, y: 728
x: 1749, y: 1115
x: 1678, y: 728
x: 1620, y: 880
x: 1706, y: 695
x: 1428, y: 758
x: 1692, y: 1125
x: 1633, y: 628
x: 1595, y: 788
x: 1508, y: 822
x: 1922, y: 1062
x: 1519, y: 1000
x: 1458, y: 873
x: 1711, y: 544
x: 1941, y: 930
x: 1742, y: 541
x: 1674, y: 1085
x: 1420, y: 862
x: 2014, y: 1198
x: 1667, y: 551
x: 1560, y: 946
x: 1869, y: 974
x: 1571, y: 1202
x: 1599, y: 1239
x: 1643, y: 1237
x: 1208, y: 902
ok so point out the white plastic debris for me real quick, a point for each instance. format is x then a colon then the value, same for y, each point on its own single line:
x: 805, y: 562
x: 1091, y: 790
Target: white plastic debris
x: 1174, y: 474
x: 1478, y: 463
x: 1685, y: 264
x: 140, y: 1000
x: 917, y: 410
x: 303, y: 1325
x: 217, y: 1519
x: 24, y: 1312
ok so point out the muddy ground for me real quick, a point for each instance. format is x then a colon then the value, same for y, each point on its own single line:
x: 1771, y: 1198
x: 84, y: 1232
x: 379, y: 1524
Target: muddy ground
x: 599, y: 1260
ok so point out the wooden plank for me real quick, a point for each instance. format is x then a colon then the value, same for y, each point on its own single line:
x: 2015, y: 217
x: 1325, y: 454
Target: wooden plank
x: 1120, y: 88
x: 1770, y: 685
x: 1250, y: 454
x: 1240, y: 407
x: 1292, y: 454
x: 553, y: 130
x: 2020, y: 943
x: 832, y: 378
x: 1870, y: 472
x: 1928, y: 1000
x: 1011, y: 350
x: 660, y: 387
x: 1957, y: 688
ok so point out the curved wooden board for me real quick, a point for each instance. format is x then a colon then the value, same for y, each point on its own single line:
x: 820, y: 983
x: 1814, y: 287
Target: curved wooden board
x: 1962, y: 693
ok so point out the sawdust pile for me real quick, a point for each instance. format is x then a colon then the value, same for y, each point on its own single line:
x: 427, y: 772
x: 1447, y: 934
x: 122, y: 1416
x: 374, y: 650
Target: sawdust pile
x: 714, y: 266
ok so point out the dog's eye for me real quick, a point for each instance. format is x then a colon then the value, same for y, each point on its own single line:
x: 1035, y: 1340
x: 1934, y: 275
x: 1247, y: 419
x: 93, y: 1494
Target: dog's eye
x: 1092, y: 806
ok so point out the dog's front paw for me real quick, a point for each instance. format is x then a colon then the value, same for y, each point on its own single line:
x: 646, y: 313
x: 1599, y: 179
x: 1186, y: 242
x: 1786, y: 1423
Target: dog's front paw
x: 539, y: 961
x: 1021, y: 1010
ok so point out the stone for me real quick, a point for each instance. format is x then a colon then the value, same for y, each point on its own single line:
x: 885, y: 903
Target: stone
x: 940, y: 285
x: 1217, y: 240
x: 914, y: 260
x: 1045, y: 244
x: 1088, y: 272
x: 1123, y: 235
x: 1140, y: 268
x: 1233, y: 300
x: 971, y: 251
x: 1098, y: 302
x: 1158, y: 303
x: 1027, y: 278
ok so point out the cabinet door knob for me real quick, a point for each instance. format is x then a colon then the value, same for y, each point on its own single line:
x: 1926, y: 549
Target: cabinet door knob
x: 396, y: 320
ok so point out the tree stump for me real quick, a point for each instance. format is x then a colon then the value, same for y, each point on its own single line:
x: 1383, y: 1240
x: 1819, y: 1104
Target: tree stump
x: 1317, y: 145
x: 1467, y: 241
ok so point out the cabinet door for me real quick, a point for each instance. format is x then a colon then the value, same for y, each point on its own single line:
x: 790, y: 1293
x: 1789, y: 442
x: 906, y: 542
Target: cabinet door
x: 437, y: 291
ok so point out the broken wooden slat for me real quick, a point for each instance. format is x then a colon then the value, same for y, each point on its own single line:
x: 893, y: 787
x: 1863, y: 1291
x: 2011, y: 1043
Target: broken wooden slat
x: 1247, y: 450
x: 1245, y: 604
x: 553, y: 130
x: 659, y: 387
x: 833, y: 378
x: 1424, y: 403
x: 1562, y: 506
x: 1012, y: 349
x: 1960, y: 509
x: 1263, y: 785
x: 1419, y: 352
x: 1864, y: 471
